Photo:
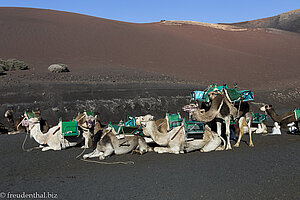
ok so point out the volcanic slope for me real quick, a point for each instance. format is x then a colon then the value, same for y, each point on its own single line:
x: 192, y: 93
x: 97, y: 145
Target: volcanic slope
x: 289, y: 21
x: 190, y: 51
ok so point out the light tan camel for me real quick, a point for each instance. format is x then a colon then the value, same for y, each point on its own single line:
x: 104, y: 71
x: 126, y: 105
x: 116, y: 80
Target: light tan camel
x: 242, y: 127
x: 18, y: 125
x: 54, y: 138
x: 172, y: 141
x: 109, y: 144
x: 211, y: 141
x: 162, y: 124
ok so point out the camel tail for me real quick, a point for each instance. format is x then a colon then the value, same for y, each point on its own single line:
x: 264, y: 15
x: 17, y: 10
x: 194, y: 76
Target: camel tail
x: 224, y: 145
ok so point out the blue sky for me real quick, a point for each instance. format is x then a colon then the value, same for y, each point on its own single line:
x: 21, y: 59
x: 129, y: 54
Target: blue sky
x: 144, y: 11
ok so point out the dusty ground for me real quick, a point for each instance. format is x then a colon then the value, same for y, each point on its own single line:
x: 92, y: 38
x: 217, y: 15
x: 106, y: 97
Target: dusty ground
x: 267, y: 171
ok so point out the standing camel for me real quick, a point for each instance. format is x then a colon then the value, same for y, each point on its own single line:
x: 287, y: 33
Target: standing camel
x: 220, y: 109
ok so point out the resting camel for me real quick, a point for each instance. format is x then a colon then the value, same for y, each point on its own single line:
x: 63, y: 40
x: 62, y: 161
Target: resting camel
x: 18, y: 125
x: 53, y: 139
x: 172, y: 141
x: 284, y: 119
x: 91, y: 126
x: 109, y: 144
x: 162, y: 124
x: 211, y: 141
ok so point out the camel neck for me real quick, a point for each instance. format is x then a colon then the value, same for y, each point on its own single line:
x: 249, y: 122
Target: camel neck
x: 37, y: 134
x: 273, y: 115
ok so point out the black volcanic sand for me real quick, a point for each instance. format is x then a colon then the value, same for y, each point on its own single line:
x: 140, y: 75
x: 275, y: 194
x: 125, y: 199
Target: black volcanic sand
x: 270, y: 170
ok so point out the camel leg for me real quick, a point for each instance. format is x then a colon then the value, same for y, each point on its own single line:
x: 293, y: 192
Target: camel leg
x: 211, y: 145
x: 56, y: 148
x: 241, y: 133
x: 194, y: 145
x: 219, y: 128
x: 46, y: 148
x: 250, y: 134
x: 95, y: 153
x: 87, y: 139
x: 166, y: 150
x: 227, y: 123
x: 106, y: 153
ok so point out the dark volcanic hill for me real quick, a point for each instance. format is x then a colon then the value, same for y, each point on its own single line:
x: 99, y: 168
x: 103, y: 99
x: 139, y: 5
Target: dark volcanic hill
x: 289, y: 21
x: 190, y: 51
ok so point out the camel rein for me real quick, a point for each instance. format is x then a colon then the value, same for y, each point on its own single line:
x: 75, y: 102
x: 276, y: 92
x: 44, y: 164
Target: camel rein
x: 176, y: 133
x: 23, y: 145
x: 288, y: 116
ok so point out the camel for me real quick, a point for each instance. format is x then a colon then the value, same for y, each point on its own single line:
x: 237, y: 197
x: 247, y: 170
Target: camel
x: 242, y: 127
x: 237, y: 110
x: 172, y: 141
x: 284, y: 119
x: 53, y: 139
x: 109, y: 144
x: 211, y: 141
x: 220, y: 109
x: 91, y: 126
x: 162, y: 124
x: 18, y: 125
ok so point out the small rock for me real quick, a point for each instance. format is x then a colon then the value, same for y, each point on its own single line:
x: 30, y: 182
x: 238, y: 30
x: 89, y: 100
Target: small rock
x: 58, y: 68
x: 56, y: 109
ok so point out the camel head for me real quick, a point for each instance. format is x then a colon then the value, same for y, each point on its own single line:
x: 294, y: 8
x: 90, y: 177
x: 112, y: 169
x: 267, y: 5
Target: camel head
x: 141, y: 120
x: 265, y: 108
x: 192, y: 108
x: 9, y: 114
x: 30, y: 123
x: 213, y: 94
x: 90, y: 121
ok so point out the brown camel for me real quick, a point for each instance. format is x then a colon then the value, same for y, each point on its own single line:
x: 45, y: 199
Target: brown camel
x: 91, y: 124
x: 219, y: 109
x: 283, y: 120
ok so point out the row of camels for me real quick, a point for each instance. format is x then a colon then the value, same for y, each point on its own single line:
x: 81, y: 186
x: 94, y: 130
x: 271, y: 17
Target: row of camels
x: 106, y: 141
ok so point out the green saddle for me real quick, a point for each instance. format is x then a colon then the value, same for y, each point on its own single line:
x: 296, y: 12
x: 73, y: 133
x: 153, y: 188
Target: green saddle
x: 233, y: 94
x: 69, y: 128
x: 258, y: 118
x: 174, y: 120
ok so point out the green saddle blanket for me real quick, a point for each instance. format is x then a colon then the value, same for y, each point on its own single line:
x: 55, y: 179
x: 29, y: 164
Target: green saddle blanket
x: 69, y: 128
x: 174, y: 120
x: 233, y: 94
